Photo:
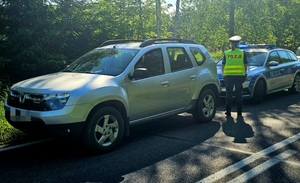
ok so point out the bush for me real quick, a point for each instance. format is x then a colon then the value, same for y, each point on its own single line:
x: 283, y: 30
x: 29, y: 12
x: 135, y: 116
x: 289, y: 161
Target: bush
x: 7, y: 132
x: 217, y: 55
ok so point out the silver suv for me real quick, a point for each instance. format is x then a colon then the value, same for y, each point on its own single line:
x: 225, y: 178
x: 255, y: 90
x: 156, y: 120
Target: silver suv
x: 121, y: 83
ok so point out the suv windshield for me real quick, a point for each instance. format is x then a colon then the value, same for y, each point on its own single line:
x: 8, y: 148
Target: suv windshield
x: 253, y: 58
x: 103, y: 61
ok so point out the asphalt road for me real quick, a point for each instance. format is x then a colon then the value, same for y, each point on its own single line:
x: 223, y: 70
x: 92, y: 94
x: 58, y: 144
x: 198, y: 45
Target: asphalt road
x: 262, y: 147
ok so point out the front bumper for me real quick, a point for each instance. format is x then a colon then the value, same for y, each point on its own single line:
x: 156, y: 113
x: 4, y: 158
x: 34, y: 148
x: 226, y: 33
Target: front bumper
x: 68, y: 121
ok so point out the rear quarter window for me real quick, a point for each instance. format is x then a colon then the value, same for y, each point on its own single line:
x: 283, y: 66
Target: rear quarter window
x: 198, y: 55
x: 293, y: 56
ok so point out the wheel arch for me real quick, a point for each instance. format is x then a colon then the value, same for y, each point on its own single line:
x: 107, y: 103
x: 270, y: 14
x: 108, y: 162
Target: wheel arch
x: 212, y: 87
x: 255, y: 83
x: 119, y: 106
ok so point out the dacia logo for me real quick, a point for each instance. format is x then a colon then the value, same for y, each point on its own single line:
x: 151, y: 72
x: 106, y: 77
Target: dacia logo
x: 234, y: 56
x: 22, y: 98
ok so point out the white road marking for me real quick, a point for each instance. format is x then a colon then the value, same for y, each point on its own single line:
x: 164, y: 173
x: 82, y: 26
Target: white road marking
x: 228, y: 148
x: 293, y: 163
x: 232, y: 168
x: 262, y: 167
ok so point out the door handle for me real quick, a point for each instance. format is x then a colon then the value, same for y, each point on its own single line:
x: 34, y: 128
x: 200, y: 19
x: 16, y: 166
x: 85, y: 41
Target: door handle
x: 193, y: 77
x: 165, y: 83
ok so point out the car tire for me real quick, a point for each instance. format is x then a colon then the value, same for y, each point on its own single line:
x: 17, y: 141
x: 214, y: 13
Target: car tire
x: 206, y: 106
x: 296, y: 85
x: 104, y: 130
x: 259, y: 92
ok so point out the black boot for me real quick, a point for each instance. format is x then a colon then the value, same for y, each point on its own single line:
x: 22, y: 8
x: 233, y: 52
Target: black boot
x: 228, y: 113
x: 239, y: 113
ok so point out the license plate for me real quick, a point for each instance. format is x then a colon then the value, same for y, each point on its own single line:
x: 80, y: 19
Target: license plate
x: 19, y: 115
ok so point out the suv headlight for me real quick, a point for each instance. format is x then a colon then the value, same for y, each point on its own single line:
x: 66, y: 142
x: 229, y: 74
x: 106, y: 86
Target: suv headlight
x: 56, y: 101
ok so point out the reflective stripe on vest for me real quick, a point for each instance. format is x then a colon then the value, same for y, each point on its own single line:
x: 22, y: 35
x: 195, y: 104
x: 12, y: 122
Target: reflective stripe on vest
x: 234, y: 65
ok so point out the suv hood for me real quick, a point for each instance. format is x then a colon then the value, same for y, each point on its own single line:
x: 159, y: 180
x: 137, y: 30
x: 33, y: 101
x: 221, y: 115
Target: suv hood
x: 61, y: 81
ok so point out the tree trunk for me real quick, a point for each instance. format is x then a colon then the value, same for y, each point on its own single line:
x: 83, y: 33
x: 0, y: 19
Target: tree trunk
x: 141, y: 19
x: 158, y: 18
x: 176, y: 18
x: 231, y: 18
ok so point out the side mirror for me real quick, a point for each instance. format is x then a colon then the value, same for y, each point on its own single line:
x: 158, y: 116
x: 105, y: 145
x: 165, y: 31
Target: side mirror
x: 273, y: 63
x: 139, y: 73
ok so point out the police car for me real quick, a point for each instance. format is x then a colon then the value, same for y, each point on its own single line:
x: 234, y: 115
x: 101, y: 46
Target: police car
x: 269, y: 70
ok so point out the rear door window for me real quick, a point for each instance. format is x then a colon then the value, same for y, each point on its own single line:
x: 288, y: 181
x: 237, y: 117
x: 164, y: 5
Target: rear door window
x: 284, y: 58
x: 179, y: 59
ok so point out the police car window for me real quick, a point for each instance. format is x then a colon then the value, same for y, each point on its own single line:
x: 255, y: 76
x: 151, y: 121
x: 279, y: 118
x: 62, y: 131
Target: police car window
x: 292, y: 56
x: 179, y: 59
x: 198, y: 55
x: 153, y: 62
x: 273, y: 57
x: 284, y: 58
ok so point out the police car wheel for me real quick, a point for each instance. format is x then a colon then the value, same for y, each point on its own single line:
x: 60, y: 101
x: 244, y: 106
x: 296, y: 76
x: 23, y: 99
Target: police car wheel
x: 296, y: 85
x: 259, y: 91
x: 206, y: 106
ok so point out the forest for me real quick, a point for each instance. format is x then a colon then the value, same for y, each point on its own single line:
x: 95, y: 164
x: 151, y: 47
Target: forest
x: 43, y: 36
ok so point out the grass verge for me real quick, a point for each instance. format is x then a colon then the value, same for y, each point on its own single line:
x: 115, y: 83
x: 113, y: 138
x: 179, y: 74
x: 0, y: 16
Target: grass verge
x: 8, y: 134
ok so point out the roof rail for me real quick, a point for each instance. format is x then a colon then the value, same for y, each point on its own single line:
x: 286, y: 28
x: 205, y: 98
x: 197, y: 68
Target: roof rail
x: 117, y: 41
x: 149, y: 41
x: 166, y: 40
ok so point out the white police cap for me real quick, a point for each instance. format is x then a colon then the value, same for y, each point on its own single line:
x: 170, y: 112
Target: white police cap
x: 235, y: 38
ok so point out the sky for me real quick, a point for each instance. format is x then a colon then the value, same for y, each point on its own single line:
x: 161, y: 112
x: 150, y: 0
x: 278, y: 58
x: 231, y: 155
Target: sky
x: 171, y: 2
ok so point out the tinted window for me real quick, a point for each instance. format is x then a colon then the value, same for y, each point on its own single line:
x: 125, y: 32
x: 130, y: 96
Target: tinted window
x: 153, y: 62
x: 292, y: 56
x: 178, y: 59
x: 283, y: 57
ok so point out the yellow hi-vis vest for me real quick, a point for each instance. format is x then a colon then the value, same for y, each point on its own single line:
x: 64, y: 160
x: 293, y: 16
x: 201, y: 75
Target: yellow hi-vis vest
x: 234, y: 65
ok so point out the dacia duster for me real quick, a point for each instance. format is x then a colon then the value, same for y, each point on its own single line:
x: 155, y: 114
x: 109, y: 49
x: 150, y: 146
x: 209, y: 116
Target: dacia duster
x: 121, y: 83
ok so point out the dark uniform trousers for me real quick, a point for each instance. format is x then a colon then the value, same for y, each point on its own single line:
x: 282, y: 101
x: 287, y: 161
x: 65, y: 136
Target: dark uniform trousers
x: 237, y: 82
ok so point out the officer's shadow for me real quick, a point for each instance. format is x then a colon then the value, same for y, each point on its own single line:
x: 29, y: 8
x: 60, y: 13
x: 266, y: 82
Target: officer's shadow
x: 240, y: 130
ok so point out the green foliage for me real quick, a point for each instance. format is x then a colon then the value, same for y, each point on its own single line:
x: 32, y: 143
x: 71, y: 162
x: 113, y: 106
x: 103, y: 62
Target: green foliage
x: 7, y: 132
x: 39, y: 37
x: 217, y: 55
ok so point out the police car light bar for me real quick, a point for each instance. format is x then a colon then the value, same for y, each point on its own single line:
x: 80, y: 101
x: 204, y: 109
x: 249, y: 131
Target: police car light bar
x: 266, y: 46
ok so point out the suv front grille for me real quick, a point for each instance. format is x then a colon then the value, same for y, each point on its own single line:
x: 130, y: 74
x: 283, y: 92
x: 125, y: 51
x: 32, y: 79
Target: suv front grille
x: 28, y: 101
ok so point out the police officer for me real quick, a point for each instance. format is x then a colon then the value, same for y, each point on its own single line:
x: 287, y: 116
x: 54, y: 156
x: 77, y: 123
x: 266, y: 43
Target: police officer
x: 234, y: 67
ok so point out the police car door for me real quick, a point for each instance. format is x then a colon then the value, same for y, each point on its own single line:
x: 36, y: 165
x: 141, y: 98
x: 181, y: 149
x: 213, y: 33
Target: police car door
x: 286, y: 69
x: 275, y: 74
